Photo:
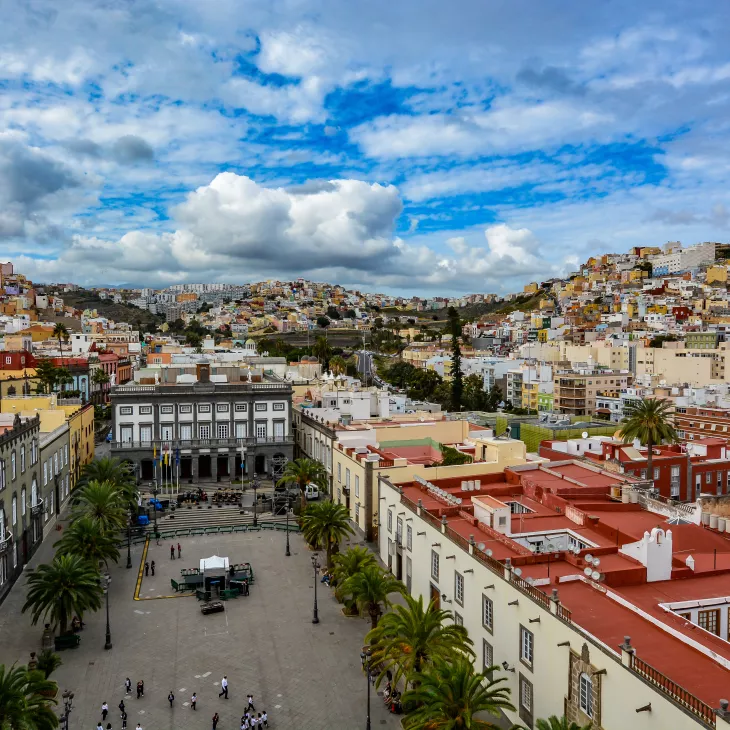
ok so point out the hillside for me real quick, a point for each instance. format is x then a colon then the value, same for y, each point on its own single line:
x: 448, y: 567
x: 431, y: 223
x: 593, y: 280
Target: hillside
x: 111, y: 310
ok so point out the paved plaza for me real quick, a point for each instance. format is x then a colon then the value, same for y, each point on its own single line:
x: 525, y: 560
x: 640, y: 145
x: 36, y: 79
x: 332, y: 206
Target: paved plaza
x: 306, y: 676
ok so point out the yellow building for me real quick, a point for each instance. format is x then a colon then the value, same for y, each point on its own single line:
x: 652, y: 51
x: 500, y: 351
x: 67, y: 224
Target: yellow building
x: 531, y: 288
x: 17, y: 382
x: 717, y: 274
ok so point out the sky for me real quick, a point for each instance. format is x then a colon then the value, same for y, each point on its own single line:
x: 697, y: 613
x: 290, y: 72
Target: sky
x: 411, y: 147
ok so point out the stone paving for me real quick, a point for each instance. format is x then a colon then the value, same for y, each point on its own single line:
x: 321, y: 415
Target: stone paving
x: 306, y: 676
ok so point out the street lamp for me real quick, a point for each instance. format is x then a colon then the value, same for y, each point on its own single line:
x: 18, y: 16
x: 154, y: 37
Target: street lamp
x: 129, y: 539
x: 68, y: 698
x: 366, y: 658
x: 255, y: 486
x: 316, y: 566
x: 288, y: 552
x: 155, y: 492
x: 107, y: 582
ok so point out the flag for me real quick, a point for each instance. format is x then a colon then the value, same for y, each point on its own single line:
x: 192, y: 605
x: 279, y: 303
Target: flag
x: 154, y: 456
x: 177, y: 456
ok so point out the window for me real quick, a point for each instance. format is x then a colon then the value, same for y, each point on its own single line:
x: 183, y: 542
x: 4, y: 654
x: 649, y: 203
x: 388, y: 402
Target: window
x: 459, y: 588
x: 709, y: 620
x: 643, y: 473
x: 409, y: 537
x: 22, y: 502
x: 241, y: 429
x: 65, y: 454
x: 204, y: 430
x: 409, y: 573
x: 240, y: 407
x: 347, y: 478
x: 22, y: 460
x: 261, y: 431
x: 186, y: 431
x: 145, y: 410
x: 656, y: 472
x: 719, y: 482
x: 222, y: 430
x: 434, y: 565
x: 357, y: 485
x: 525, y: 696
x: 125, y: 410
x: 261, y: 406
x: 14, y: 510
x: 145, y: 434
x: 167, y: 409
x: 458, y: 619
x: 221, y: 407
x: 527, y: 644
x: 399, y: 531
x: 487, y: 613
x: 186, y: 408
x: 13, y: 466
x: 126, y: 434
x: 45, y: 473
x: 487, y: 655
x: 357, y: 513
x: 279, y: 406
x: 339, y: 473
x: 390, y: 520
x: 586, y: 694
x: 204, y: 408
x: 708, y: 477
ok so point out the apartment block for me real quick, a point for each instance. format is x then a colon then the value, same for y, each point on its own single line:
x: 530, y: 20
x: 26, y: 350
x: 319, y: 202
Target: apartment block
x: 576, y: 393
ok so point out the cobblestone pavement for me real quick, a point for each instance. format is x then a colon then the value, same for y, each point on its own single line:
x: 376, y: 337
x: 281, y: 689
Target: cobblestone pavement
x: 308, y: 677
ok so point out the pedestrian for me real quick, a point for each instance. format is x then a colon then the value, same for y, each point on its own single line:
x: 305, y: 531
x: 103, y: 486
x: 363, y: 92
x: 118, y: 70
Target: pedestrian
x: 254, y: 723
x: 193, y: 700
x: 179, y: 551
x: 127, y: 686
x: 172, y: 552
x: 104, y: 711
x: 140, y: 689
x: 121, y: 708
x: 146, y: 568
x: 99, y: 726
x: 124, y: 721
x: 215, y: 721
x: 108, y: 726
x: 171, y: 698
x: 153, y: 567
x: 224, y: 687
x: 265, y: 719
x: 244, y: 724
x: 139, y: 727
x: 250, y: 703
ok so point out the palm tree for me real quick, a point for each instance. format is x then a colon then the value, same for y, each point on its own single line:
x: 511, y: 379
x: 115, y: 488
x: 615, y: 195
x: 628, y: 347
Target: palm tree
x: 322, y: 351
x: 450, y: 694
x: 346, y: 564
x: 648, y: 421
x: 303, y: 472
x: 26, y: 699
x: 66, y: 587
x: 559, y: 723
x: 338, y: 365
x: 103, y: 503
x: 411, y: 638
x: 48, y: 662
x: 87, y: 537
x: 114, y: 471
x: 370, y: 589
x: 61, y: 332
x: 325, y: 525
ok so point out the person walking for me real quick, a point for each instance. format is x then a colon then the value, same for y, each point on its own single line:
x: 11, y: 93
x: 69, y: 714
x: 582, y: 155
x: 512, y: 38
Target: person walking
x: 108, y: 726
x: 171, y: 698
x: 124, y: 721
x: 179, y: 551
x: 250, y: 703
x: 139, y: 727
x: 99, y: 726
x: 121, y: 708
x: 172, y: 552
x: 193, y: 700
x: 128, y: 686
x: 146, y: 568
x: 265, y: 719
x: 140, y: 689
x: 224, y: 687
x: 153, y: 567
x: 104, y: 711
x: 215, y: 721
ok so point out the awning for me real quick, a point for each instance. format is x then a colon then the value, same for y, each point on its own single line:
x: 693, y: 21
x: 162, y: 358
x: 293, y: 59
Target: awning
x: 214, y: 562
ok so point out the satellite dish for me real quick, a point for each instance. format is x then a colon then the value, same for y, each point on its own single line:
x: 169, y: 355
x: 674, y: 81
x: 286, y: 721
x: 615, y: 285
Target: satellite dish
x: 589, y: 558
x: 596, y: 575
x: 530, y: 580
x: 518, y: 571
x: 587, y: 572
x: 489, y: 553
x: 550, y: 547
x: 576, y: 550
x: 481, y: 546
x: 585, y: 434
x: 596, y: 562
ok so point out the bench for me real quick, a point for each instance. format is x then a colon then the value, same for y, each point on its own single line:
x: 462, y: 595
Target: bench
x: 67, y: 641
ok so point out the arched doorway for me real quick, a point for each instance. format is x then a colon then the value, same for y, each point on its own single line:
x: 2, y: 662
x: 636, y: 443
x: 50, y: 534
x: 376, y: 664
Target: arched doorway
x: 260, y: 464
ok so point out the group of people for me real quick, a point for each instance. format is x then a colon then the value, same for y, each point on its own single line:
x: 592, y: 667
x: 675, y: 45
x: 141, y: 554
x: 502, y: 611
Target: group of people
x: 249, y: 721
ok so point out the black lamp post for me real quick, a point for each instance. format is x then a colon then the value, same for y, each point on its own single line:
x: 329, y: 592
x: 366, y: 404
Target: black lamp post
x: 68, y: 698
x: 316, y: 566
x: 255, y: 486
x: 129, y: 540
x: 288, y: 552
x: 108, y: 644
x: 155, y: 492
x: 365, y: 658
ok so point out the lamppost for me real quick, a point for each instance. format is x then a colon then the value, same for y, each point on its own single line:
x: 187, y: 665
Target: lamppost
x: 107, y: 581
x: 129, y: 540
x: 288, y: 552
x: 316, y: 566
x: 68, y: 698
x: 366, y: 658
x: 255, y: 486
x: 155, y: 492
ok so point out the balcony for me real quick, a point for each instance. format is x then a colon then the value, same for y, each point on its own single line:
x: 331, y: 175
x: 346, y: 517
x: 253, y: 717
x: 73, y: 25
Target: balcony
x: 37, y: 510
x: 228, y: 443
x: 5, y: 543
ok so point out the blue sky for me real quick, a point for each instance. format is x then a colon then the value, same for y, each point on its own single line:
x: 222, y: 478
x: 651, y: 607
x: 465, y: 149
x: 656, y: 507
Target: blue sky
x: 412, y: 147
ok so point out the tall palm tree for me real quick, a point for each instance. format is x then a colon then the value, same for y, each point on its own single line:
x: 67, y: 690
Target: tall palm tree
x: 26, y: 700
x: 61, y: 332
x: 114, y: 471
x: 559, y: 723
x: 303, y: 472
x: 66, y: 587
x: 370, y: 589
x: 346, y: 564
x: 411, y: 638
x: 88, y: 538
x: 337, y: 365
x: 648, y: 421
x: 449, y: 695
x: 322, y: 351
x: 103, y: 503
x: 325, y: 525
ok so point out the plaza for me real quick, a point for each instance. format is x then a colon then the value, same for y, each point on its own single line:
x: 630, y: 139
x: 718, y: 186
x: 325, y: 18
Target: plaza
x: 304, y: 675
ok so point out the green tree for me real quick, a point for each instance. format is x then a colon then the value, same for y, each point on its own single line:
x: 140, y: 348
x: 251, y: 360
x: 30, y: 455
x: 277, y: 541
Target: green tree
x: 111, y: 470
x: 337, y: 365
x: 332, y: 312
x: 322, y: 351
x: 61, y: 332
x: 323, y: 322
x: 48, y: 662
x: 457, y: 382
x: 423, y: 384
x: 494, y: 398
x: 399, y: 373
x: 450, y: 695
x: 63, y: 377
x: 453, y: 457
x: 100, y: 377
x: 26, y: 700
x: 325, y: 525
x: 346, y: 564
x: 303, y: 472
x: 648, y: 421
x: 411, y: 638
x: 68, y: 586
x: 193, y: 339
x: 47, y: 374
x: 87, y: 537
x: 371, y: 589
x: 264, y: 345
x: 475, y: 397
x: 103, y: 503
x: 560, y: 723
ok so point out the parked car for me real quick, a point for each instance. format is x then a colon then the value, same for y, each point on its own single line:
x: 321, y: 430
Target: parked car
x: 110, y: 437
x: 311, y: 492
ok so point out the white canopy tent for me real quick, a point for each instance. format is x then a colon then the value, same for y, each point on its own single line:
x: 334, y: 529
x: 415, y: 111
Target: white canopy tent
x: 214, y: 562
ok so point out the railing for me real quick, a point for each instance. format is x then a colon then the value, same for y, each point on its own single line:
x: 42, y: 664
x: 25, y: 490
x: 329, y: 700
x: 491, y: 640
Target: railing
x: 536, y: 595
x: 5, y: 543
x: 36, y: 509
x: 679, y: 694
x: 204, y: 443
x: 193, y: 388
x: 563, y: 613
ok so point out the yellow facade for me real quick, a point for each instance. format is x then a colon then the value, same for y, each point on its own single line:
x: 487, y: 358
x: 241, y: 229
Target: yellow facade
x: 717, y: 274
x: 531, y: 288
